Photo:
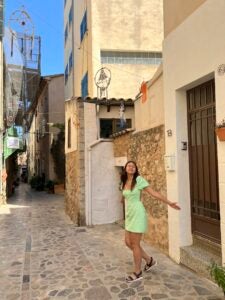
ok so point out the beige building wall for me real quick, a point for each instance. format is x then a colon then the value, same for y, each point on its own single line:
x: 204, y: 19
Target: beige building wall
x: 71, y: 114
x: 176, y: 11
x: 56, y: 115
x: 150, y: 114
x: 49, y: 111
x: 202, y: 59
x: 31, y: 149
x: 138, y: 28
x: 141, y: 33
x: 68, y: 47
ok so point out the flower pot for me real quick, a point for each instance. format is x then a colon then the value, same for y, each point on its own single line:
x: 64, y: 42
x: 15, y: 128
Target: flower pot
x: 221, y: 133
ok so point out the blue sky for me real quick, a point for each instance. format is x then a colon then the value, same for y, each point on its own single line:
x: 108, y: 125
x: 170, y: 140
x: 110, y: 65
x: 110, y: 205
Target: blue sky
x: 47, y: 17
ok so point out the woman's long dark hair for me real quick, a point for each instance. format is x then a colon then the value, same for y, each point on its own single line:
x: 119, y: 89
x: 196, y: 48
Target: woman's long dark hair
x: 123, y: 176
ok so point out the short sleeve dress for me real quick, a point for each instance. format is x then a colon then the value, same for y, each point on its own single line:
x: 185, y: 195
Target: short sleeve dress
x: 135, y: 214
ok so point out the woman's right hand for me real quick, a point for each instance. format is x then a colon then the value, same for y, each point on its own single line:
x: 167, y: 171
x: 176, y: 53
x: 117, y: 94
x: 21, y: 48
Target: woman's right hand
x: 174, y: 205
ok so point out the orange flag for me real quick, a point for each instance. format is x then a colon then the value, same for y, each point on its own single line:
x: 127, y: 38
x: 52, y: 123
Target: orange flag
x: 144, y: 91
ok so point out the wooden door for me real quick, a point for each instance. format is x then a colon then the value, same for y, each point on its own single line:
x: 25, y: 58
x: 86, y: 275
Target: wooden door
x: 203, y: 161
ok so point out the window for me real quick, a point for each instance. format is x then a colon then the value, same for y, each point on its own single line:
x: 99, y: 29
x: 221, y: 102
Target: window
x: 84, y: 86
x: 134, y: 58
x: 66, y: 33
x: 83, y: 26
x: 71, y: 61
x: 110, y: 126
x: 69, y: 134
x: 66, y: 73
x: 71, y: 15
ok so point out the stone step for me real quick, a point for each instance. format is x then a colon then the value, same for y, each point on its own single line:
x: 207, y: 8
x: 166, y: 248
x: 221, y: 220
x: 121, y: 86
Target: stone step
x: 207, y: 244
x: 199, y: 256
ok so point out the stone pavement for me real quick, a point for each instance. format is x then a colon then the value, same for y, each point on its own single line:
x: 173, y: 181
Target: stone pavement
x: 44, y: 256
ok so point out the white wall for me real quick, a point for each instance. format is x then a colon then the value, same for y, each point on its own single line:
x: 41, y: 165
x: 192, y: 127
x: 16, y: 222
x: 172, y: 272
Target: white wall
x: 105, y: 194
x: 192, y: 54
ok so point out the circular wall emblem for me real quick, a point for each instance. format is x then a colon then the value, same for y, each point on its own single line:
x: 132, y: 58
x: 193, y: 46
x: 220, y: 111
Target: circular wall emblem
x: 102, y: 78
x: 221, y: 69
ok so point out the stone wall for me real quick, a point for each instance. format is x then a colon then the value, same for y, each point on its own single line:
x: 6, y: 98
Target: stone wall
x: 72, y: 186
x: 121, y: 145
x: 75, y: 184
x: 147, y: 148
x: 81, y: 149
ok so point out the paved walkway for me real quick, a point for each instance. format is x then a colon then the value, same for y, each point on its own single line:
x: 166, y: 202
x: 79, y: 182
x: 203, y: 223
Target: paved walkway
x: 44, y: 256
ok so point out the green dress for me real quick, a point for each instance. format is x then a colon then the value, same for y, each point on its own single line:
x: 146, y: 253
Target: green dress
x: 135, y: 214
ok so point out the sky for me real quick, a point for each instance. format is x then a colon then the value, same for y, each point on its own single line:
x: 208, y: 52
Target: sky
x: 47, y: 17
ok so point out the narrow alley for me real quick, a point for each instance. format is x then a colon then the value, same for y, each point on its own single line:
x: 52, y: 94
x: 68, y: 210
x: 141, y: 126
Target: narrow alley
x: 44, y: 256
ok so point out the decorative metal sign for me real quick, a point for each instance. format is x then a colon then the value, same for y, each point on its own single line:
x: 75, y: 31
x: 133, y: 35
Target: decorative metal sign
x: 102, y: 81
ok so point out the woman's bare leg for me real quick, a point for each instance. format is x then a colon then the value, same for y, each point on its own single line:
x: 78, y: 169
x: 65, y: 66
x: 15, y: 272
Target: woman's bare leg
x: 145, y: 256
x: 135, y: 239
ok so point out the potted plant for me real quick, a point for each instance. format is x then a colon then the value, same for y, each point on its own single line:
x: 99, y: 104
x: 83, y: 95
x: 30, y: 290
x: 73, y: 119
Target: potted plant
x: 218, y: 274
x: 220, y: 130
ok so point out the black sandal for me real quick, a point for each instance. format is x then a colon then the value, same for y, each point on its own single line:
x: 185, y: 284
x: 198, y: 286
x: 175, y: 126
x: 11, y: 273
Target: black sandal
x: 150, y: 265
x: 134, y: 278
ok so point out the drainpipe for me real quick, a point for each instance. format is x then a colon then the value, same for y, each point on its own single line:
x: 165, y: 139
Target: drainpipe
x: 89, y: 202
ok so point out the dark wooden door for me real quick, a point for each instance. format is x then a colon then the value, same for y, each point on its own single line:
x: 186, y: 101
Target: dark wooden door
x: 203, y: 161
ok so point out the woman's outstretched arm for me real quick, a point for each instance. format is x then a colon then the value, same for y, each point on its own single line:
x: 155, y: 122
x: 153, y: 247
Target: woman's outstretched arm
x: 159, y: 196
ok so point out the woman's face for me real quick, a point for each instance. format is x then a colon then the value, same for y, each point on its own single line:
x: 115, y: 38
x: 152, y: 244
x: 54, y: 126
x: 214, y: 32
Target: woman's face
x: 130, y: 168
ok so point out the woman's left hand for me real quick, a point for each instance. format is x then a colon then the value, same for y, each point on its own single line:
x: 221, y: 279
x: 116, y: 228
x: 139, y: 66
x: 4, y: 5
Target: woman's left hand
x: 174, y: 205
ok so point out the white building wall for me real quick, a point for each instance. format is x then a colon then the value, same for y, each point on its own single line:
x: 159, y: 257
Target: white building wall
x: 105, y: 198
x: 199, y: 45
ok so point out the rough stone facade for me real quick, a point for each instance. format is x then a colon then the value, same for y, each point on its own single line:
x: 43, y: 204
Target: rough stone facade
x: 147, y: 148
x: 75, y: 183
x: 121, y: 145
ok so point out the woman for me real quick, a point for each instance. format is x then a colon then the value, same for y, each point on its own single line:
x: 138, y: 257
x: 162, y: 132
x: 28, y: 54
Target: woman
x: 135, y: 216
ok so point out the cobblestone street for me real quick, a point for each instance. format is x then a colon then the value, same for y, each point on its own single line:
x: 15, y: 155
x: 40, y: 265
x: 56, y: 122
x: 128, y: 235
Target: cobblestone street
x: 44, y: 256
